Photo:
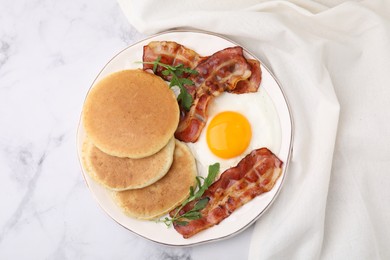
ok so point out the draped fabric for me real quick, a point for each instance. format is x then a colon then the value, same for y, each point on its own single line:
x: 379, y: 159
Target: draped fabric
x: 332, y: 59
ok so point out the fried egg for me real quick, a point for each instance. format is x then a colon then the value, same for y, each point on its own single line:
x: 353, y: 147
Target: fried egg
x: 237, y: 125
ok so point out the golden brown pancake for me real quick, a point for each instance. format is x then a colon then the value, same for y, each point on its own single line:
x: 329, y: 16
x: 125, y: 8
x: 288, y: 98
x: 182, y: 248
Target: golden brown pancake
x: 119, y: 174
x: 130, y: 113
x: 164, y: 195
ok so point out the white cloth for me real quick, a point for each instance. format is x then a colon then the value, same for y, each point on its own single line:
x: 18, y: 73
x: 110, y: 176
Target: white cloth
x: 333, y: 61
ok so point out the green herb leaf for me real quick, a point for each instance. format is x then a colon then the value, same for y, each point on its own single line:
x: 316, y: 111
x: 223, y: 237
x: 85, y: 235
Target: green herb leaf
x: 194, y: 213
x: 198, y: 180
x: 201, y: 204
x: 177, y: 79
x: 213, y: 171
x: 185, y: 98
x: 165, y: 72
x: 155, y: 65
x: 181, y: 223
x: 186, y: 81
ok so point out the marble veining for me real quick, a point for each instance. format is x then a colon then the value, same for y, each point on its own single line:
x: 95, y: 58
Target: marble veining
x: 50, y: 53
x: 175, y: 255
x: 4, y: 52
x: 26, y: 175
x: 31, y: 185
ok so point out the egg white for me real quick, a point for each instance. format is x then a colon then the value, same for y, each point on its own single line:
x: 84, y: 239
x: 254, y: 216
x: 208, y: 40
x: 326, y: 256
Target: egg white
x: 259, y: 110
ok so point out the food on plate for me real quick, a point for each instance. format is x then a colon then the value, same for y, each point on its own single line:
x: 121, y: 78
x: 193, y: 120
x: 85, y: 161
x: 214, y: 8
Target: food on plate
x: 220, y: 72
x: 177, y: 79
x: 132, y: 117
x: 225, y: 88
x: 252, y: 83
x: 170, y: 53
x: 228, y: 134
x: 223, y: 71
x: 254, y: 175
x: 130, y: 113
x: 227, y: 140
x: 164, y: 195
x: 173, y: 54
x: 117, y: 173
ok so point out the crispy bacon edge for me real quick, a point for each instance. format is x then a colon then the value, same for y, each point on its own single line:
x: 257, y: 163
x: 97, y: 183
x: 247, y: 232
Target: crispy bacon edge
x: 173, y: 53
x: 255, y: 174
x: 170, y: 53
x: 192, y: 122
x: 252, y: 84
x: 221, y: 72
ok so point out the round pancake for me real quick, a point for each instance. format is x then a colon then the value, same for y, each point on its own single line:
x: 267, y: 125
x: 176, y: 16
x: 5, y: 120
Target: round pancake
x: 119, y: 174
x: 130, y: 113
x: 164, y: 195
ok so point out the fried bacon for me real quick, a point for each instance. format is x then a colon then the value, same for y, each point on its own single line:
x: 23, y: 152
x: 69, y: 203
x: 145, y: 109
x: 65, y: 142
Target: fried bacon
x: 192, y: 122
x: 218, y: 73
x: 222, y: 71
x: 170, y: 53
x: 254, y: 175
x: 226, y: 70
x: 253, y: 83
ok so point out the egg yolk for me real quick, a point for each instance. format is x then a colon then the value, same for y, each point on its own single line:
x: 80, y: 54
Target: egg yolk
x: 228, y: 134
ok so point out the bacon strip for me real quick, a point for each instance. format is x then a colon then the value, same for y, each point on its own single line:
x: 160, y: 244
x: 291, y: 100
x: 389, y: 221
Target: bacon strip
x: 222, y: 71
x: 192, y: 123
x: 170, y: 53
x: 254, y: 175
x: 218, y: 73
x: 173, y: 53
x: 226, y: 70
x: 253, y: 83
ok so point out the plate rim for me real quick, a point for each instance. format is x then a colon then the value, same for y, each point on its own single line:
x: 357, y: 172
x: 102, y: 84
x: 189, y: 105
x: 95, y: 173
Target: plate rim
x: 286, y: 163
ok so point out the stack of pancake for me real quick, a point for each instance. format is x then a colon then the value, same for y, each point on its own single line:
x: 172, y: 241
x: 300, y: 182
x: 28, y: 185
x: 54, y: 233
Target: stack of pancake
x: 130, y: 118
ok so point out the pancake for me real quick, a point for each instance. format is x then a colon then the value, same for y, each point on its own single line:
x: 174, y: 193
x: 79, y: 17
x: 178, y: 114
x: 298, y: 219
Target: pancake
x: 116, y: 173
x: 130, y: 113
x: 164, y: 195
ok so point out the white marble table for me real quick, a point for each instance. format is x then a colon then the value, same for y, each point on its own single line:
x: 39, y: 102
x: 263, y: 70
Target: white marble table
x: 50, y: 52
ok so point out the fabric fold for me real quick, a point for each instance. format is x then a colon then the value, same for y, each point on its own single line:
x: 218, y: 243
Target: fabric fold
x: 333, y: 63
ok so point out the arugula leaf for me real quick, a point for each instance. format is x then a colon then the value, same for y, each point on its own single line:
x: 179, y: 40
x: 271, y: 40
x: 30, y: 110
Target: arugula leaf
x: 191, y: 191
x: 186, y: 99
x: 176, y: 73
x: 155, y: 65
x: 201, y: 204
x: 194, y: 213
x: 186, y: 81
x: 182, y: 223
x: 213, y: 171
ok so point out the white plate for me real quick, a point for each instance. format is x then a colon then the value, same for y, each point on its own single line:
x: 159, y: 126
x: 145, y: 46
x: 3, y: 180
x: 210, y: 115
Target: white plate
x: 205, y: 44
